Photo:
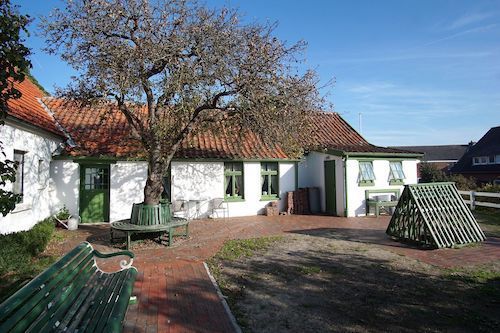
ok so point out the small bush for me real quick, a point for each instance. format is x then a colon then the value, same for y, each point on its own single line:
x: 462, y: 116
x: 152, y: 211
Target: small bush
x: 429, y: 173
x: 63, y: 213
x: 17, y: 249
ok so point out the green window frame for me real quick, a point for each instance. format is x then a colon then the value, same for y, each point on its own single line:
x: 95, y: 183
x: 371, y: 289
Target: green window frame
x: 269, y: 174
x: 366, y: 176
x: 396, y: 173
x: 233, y: 181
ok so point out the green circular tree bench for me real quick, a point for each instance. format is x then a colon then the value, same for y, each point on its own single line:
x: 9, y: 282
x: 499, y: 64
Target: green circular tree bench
x: 150, y: 219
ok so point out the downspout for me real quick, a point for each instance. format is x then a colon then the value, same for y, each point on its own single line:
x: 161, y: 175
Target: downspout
x: 296, y: 167
x: 345, y: 184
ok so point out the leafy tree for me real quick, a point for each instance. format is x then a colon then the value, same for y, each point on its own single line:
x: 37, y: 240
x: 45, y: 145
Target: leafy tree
x: 175, y: 67
x: 14, y: 64
x: 429, y: 173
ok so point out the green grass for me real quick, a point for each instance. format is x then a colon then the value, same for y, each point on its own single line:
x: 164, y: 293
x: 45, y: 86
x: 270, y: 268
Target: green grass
x: 238, y: 248
x: 489, y: 219
x: 309, y: 270
x: 479, y: 275
x: 486, y: 281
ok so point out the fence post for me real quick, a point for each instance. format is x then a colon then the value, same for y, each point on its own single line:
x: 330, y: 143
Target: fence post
x: 472, y: 200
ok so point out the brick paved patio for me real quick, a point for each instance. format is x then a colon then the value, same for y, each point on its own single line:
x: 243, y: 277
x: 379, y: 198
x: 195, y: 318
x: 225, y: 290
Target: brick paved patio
x: 175, y: 293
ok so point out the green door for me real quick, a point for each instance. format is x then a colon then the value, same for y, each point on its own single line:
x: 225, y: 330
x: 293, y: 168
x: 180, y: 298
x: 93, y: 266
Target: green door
x: 94, y: 193
x: 330, y: 193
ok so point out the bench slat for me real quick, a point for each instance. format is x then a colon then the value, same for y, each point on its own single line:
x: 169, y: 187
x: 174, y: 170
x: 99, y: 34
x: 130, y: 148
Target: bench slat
x: 112, y: 303
x: 117, y: 317
x: 69, y: 295
x: 62, y: 297
x: 18, y: 298
x: 99, y: 307
x: 77, y: 306
x: 32, y: 305
x: 79, y: 321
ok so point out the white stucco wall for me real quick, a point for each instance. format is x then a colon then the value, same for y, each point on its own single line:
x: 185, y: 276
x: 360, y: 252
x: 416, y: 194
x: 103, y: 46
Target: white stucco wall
x: 37, y: 202
x: 127, y: 180
x: 65, y: 175
x: 312, y: 174
x: 127, y: 187
x: 204, y: 181
x: 356, y: 193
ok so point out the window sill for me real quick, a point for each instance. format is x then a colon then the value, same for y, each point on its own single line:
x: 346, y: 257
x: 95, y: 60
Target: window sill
x: 234, y: 199
x: 269, y: 198
x: 365, y: 184
x: 396, y: 182
x: 22, y: 207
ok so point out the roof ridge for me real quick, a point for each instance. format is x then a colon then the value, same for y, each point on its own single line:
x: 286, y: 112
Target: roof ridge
x: 71, y: 142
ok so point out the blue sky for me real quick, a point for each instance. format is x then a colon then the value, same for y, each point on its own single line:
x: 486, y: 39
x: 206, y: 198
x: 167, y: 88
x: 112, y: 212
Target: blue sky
x: 420, y: 72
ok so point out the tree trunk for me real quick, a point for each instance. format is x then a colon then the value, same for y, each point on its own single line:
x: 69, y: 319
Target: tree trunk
x: 154, y: 183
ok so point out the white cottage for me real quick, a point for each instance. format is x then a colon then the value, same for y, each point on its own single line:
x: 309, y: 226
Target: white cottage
x: 31, y: 138
x: 345, y: 167
x: 100, y: 171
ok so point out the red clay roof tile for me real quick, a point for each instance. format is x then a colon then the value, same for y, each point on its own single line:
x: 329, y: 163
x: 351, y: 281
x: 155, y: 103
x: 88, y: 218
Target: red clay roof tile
x: 104, y: 131
x: 331, y: 131
x: 28, y: 108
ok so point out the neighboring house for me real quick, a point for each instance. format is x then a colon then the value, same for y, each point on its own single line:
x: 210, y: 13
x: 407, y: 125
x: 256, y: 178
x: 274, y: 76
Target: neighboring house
x: 482, y: 160
x: 29, y: 137
x: 343, y: 165
x: 443, y: 157
x: 101, y: 170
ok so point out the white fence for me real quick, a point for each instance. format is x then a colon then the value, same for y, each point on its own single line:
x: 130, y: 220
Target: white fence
x: 473, y: 199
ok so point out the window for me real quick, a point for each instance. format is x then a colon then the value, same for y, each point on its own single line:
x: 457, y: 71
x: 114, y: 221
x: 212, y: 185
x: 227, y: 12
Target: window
x: 96, y: 179
x: 269, y: 180
x: 41, y: 173
x: 366, y: 177
x: 233, y: 180
x: 396, y: 174
x: 18, y: 186
x: 480, y: 160
x: 497, y: 159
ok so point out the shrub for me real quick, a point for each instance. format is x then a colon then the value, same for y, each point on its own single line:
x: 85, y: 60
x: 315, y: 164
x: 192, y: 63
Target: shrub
x: 463, y: 183
x: 63, y: 213
x: 17, y: 249
x: 430, y: 174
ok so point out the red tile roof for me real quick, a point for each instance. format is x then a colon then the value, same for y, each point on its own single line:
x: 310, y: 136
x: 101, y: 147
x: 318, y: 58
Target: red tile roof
x: 331, y: 131
x: 28, y: 109
x: 97, y: 132
x: 103, y: 131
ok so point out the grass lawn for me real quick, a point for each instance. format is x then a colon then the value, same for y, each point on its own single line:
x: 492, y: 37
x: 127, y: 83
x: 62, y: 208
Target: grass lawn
x: 489, y: 219
x: 303, y: 283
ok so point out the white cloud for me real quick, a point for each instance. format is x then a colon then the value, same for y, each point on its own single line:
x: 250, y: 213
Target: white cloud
x: 468, y: 19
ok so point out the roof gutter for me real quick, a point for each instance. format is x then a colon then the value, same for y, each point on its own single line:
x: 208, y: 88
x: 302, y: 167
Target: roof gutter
x: 373, y: 154
x: 29, y: 126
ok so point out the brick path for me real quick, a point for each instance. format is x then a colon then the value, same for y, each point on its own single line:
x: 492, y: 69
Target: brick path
x: 174, y: 291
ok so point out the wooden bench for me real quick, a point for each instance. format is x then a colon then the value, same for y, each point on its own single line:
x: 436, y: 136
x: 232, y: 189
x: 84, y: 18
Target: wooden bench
x: 72, y: 295
x: 378, y: 204
x: 168, y: 227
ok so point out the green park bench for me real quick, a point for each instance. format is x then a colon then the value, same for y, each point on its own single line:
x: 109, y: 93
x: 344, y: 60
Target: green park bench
x: 377, y: 203
x: 72, y: 295
x: 150, y: 219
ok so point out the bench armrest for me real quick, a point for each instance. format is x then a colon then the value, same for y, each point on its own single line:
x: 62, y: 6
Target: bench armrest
x: 124, y: 264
